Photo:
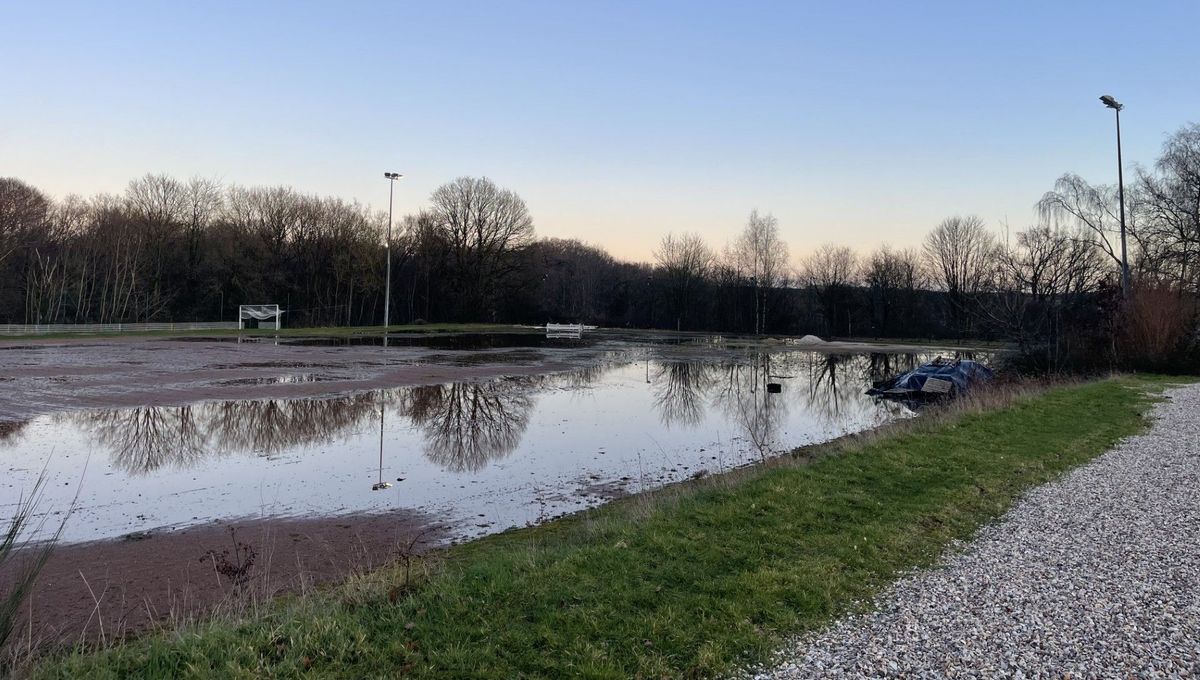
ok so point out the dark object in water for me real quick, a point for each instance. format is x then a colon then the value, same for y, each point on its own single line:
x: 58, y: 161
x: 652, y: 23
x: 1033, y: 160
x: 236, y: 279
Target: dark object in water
x: 934, y: 380
x: 774, y: 388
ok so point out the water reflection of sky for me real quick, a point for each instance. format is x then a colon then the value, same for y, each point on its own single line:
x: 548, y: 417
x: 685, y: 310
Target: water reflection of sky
x: 487, y: 455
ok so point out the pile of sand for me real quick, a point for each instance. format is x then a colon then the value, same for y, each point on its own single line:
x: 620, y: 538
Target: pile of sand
x: 810, y: 340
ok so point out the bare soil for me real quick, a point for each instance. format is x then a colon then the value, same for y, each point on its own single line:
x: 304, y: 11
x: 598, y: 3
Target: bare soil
x: 108, y: 589
x: 37, y: 378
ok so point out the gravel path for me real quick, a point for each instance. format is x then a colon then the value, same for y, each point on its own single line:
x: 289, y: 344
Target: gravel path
x: 1094, y: 575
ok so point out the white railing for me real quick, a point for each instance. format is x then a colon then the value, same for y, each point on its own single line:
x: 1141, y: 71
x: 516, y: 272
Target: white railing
x: 85, y: 328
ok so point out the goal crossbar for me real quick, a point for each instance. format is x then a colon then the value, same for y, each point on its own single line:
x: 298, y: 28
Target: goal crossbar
x: 258, y: 313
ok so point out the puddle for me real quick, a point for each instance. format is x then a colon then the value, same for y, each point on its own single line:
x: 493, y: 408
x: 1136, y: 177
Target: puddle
x: 487, y: 455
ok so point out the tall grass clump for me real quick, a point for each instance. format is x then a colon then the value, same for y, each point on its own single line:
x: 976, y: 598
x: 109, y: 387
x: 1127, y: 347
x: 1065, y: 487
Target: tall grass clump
x: 22, y: 557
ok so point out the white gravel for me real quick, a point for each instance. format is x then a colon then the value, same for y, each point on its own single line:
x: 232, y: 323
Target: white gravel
x: 1094, y: 575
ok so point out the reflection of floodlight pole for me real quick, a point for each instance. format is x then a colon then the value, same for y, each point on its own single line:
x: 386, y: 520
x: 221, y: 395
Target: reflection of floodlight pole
x: 387, y: 290
x: 1116, y: 107
x: 380, y: 485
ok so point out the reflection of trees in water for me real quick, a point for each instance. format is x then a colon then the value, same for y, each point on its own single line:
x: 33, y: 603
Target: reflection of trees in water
x: 467, y: 425
x: 882, y: 366
x: 144, y: 439
x: 679, y: 389
x: 742, y: 394
x: 10, y: 431
x: 584, y: 376
x: 838, y: 382
x: 273, y: 425
x: 828, y: 379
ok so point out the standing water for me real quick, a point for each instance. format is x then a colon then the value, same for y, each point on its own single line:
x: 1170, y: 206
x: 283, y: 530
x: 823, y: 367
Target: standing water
x: 482, y: 456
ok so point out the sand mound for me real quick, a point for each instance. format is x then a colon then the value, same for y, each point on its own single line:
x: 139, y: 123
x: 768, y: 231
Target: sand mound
x: 810, y: 340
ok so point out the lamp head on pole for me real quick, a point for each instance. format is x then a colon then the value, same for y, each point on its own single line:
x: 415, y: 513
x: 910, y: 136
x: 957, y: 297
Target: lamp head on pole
x: 1111, y: 103
x: 392, y: 175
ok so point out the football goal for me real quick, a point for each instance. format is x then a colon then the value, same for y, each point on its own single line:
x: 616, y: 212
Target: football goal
x: 258, y: 316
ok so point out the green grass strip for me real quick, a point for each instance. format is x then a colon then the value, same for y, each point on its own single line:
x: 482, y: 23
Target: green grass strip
x: 689, y: 582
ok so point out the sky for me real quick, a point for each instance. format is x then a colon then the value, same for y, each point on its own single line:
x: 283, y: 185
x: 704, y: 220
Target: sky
x: 858, y: 123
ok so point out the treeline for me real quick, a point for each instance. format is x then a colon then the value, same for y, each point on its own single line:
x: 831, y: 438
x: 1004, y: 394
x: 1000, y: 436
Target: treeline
x: 168, y: 249
x: 173, y: 251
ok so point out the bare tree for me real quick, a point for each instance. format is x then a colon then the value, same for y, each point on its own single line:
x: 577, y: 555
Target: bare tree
x: 23, y: 210
x: 961, y: 254
x: 1046, y: 295
x: 892, y: 278
x: 484, y: 225
x: 1050, y: 261
x: 831, y: 272
x: 203, y: 202
x: 1170, y: 210
x: 761, y: 255
x: 575, y: 276
x: 685, y: 262
x: 1093, y: 209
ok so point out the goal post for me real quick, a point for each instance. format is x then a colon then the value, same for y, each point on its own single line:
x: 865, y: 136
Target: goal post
x: 257, y: 314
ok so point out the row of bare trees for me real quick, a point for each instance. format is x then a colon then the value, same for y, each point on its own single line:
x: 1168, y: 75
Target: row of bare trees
x: 757, y: 260
x: 168, y: 249
x: 1052, y: 287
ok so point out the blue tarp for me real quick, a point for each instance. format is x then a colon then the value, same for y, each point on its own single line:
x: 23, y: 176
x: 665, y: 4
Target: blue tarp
x: 936, y: 378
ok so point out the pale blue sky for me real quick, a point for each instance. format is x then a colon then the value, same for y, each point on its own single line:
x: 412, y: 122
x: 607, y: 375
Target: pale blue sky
x: 617, y: 122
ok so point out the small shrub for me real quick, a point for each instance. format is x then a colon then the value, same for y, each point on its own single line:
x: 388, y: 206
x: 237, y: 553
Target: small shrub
x: 235, y: 565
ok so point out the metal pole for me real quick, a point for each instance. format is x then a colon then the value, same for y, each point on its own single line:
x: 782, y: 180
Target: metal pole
x: 387, y: 291
x: 1121, y: 194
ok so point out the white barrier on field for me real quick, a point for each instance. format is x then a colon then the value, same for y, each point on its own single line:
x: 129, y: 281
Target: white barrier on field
x: 565, y: 330
x: 85, y: 328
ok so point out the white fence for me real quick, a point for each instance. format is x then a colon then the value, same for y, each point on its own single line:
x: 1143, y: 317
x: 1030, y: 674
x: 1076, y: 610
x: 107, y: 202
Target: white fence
x: 85, y: 328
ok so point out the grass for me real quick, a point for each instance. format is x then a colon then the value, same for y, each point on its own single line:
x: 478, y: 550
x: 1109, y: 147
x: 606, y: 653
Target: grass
x: 692, y: 581
x: 24, y: 559
x: 325, y: 331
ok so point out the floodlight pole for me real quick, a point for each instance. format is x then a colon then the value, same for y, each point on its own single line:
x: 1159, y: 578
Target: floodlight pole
x: 1116, y: 107
x: 387, y: 291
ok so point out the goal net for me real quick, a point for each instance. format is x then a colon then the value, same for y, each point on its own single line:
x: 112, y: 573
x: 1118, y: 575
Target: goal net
x: 258, y: 316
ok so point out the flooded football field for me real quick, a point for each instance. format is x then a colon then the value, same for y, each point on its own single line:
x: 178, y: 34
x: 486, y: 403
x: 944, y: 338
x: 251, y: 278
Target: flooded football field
x: 325, y: 469
x: 483, y: 454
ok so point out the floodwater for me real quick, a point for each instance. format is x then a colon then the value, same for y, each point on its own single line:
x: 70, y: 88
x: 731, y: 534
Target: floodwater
x: 481, y: 455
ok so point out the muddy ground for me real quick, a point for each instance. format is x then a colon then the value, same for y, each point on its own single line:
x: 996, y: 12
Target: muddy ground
x: 44, y: 377
x: 105, y: 590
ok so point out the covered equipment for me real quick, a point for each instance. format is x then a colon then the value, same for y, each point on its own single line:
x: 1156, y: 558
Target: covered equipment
x: 938, y: 378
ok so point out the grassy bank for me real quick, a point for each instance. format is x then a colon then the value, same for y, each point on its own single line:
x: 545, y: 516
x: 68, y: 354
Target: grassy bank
x: 690, y: 581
